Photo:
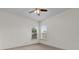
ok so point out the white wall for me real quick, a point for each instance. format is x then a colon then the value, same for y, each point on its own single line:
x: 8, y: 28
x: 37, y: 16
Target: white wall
x: 63, y: 30
x: 15, y: 30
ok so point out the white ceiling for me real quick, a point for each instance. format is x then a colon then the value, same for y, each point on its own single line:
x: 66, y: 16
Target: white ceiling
x: 24, y: 12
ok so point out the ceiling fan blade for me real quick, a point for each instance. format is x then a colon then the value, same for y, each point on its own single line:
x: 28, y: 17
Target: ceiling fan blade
x: 44, y: 10
x: 31, y: 11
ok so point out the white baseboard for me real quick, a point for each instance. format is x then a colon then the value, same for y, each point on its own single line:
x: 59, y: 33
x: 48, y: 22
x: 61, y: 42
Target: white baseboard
x: 22, y: 44
x: 51, y: 45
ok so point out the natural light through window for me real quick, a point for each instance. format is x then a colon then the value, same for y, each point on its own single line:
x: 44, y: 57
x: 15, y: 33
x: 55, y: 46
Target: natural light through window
x: 43, y: 32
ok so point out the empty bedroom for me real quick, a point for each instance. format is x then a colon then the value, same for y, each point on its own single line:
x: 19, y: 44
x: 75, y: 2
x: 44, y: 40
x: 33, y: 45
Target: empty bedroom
x: 39, y: 28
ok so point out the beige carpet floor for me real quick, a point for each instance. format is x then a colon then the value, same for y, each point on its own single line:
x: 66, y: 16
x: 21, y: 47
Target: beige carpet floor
x: 35, y: 47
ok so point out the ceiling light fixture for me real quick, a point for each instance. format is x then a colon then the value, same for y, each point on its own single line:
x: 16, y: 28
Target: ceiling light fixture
x: 38, y: 11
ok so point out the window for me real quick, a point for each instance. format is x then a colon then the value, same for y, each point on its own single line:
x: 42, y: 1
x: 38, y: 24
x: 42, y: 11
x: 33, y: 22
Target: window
x: 44, y: 32
x: 34, y: 32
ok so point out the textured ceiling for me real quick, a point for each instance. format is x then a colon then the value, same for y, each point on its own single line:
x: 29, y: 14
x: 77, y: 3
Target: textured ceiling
x: 24, y: 12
